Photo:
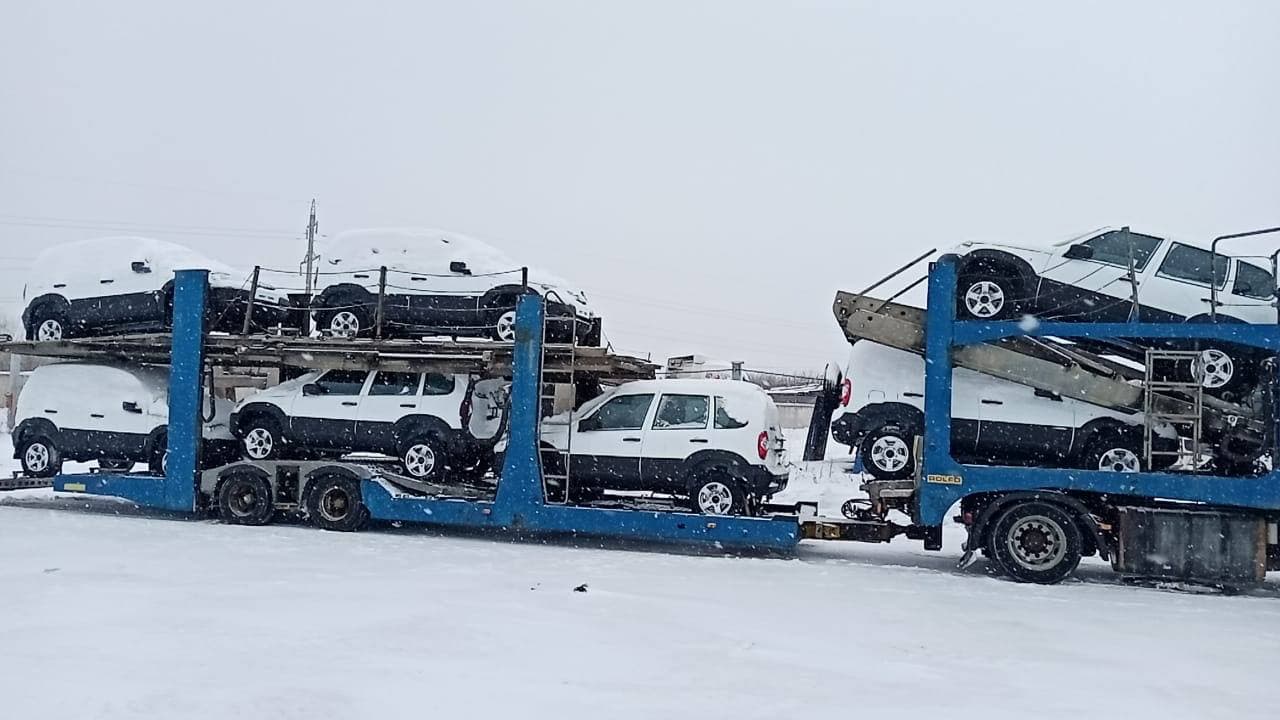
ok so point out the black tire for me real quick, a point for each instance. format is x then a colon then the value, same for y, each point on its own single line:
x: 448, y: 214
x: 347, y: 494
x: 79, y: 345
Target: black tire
x: 888, y: 452
x: 1035, y: 542
x: 984, y: 294
x: 501, y: 322
x: 244, y: 498
x: 424, y: 458
x: 115, y: 464
x: 349, y: 318
x: 48, y: 312
x: 158, y: 459
x: 260, y: 437
x: 40, y: 457
x: 1114, y: 452
x: 717, y: 492
x: 334, y: 503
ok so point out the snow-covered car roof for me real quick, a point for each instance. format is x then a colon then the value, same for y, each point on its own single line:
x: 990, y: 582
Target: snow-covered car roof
x: 430, y: 250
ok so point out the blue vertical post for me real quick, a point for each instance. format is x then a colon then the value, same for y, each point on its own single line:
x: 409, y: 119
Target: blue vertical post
x: 939, y: 317
x: 186, y: 389
x: 521, y: 484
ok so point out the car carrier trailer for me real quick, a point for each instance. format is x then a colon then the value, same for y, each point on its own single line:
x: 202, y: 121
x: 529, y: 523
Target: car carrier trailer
x: 1033, y: 523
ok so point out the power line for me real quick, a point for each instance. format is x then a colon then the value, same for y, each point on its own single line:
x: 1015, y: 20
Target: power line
x: 124, y: 226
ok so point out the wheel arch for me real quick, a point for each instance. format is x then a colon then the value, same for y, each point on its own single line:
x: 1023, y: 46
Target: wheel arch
x: 341, y: 290
x: 879, y: 414
x: 1103, y: 427
x: 993, y: 504
x: 491, y: 297
x: 711, y: 459
x: 34, y: 427
x: 990, y: 260
x: 410, y: 426
x: 256, y: 410
x: 41, y: 302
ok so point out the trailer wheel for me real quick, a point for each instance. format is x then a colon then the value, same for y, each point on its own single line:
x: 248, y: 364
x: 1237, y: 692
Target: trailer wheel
x: 244, y: 498
x: 334, y: 503
x: 1036, y: 542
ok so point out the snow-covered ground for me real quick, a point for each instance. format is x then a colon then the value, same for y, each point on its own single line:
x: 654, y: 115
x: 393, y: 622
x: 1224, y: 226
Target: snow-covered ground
x: 108, y: 614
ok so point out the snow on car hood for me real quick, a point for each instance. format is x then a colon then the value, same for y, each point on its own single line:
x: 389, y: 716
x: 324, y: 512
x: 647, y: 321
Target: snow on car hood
x: 284, y: 390
x: 430, y: 251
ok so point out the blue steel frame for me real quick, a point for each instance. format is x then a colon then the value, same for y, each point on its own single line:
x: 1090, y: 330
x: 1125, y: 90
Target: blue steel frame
x: 177, y: 489
x: 519, y: 506
x: 943, y: 481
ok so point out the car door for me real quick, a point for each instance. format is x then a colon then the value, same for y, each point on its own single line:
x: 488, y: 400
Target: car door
x: 607, y: 444
x: 324, y: 415
x: 1180, y: 285
x: 389, y: 397
x: 679, y: 428
x: 1018, y: 424
x: 130, y: 286
x: 445, y: 297
x: 1090, y: 280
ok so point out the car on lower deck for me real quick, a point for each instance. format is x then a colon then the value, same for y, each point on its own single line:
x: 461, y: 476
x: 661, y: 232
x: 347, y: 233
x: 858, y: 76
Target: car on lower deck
x: 994, y: 421
x: 1088, y: 278
x: 437, y: 283
x: 115, y: 285
x: 437, y: 424
x: 116, y: 414
x: 716, y: 443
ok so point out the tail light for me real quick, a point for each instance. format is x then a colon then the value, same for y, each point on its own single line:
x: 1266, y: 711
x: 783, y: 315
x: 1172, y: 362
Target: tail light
x: 762, y: 445
x: 846, y: 392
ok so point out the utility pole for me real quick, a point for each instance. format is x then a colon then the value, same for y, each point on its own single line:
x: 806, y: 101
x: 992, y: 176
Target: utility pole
x: 736, y: 371
x: 312, y: 228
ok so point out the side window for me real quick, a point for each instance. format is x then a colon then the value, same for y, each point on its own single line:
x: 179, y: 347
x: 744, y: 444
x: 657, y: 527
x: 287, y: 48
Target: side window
x: 342, y: 382
x: 394, y: 383
x: 621, y: 413
x: 438, y: 384
x: 725, y: 419
x: 1113, y: 248
x: 1192, y: 264
x: 682, y: 412
x: 1252, y: 281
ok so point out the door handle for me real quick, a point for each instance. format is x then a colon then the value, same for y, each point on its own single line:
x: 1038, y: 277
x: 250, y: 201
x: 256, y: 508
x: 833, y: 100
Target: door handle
x: 107, y: 281
x: 630, y: 439
x: 407, y: 405
x: 50, y: 411
x: 349, y: 403
x: 913, y: 394
x: 992, y: 402
x: 699, y: 440
x: 99, y: 416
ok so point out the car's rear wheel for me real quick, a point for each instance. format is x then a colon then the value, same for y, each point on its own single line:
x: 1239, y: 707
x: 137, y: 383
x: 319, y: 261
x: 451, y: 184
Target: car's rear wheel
x: 40, y: 457
x: 334, y: 502
x: 716, y: 492
x: 261, y: 439
x: 986, y: 296
x: 424, y: 458
x: 887, y: 452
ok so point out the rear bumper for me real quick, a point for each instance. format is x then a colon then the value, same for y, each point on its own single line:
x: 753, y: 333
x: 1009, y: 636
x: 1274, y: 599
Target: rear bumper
x: 760, y: 481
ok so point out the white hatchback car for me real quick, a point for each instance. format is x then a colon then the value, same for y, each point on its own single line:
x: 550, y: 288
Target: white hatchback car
x: 115, y: 414
x: 716, y: 442
x: 994, y: 421
x: 432, y: 422
x: 1087, y: 277
x: 438, y: 283
x: 113, y: 285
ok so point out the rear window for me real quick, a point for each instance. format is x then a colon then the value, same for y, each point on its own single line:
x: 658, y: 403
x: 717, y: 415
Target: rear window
x: 438, y: 384
x: 729, y: 415
x: 1252, y: 281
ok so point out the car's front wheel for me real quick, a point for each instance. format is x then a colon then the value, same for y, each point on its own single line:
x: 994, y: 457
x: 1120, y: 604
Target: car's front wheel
x: 887, y: 452
x: 48, y: 324
x: 40, y: 457
x: 261, y: 439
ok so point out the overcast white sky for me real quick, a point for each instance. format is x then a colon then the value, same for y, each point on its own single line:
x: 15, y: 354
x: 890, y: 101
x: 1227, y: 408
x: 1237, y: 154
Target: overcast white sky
x: 711, y: 172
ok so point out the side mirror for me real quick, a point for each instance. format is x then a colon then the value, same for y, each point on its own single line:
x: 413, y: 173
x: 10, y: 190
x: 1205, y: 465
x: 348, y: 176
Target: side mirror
x: 312, y: 389
x: 131, y: 407
x: 459, y: 267
x: 1078, y: 252
x: 139, y: 266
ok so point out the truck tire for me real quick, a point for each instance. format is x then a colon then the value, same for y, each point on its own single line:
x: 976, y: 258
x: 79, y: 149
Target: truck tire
x: 244, y: 498
x: 334, y: 503
x: 1036, y: 542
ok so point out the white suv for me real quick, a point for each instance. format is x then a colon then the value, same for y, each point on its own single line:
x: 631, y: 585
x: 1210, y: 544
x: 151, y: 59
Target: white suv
x: 716, y: 442
x: 115, y: 414
x: 432, y: 422
x: 1087, y: 278
x: 994, y: 421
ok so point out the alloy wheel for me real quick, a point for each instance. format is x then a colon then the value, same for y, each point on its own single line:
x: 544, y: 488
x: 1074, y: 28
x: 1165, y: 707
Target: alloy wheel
x: 1212, y: 368
x: 258, y: 443
x: 37, y: 457
x: 420, y: 460
x: 984, y: 299
x: 715, y: 498
x: 890, y: 453
x: 506, y: 326
x: 1119, y: 460
x: 344, y: 324
x: 49, y: 330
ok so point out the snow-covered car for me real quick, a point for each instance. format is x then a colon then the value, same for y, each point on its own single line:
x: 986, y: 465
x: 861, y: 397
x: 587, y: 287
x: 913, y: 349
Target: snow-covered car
x: 717, y: 443
x: 993, y: 421
x: 1087, y: 277
x: 115, y: 414
x: 112, y: 285
x: 437, y: 283
x: 434, y: 423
